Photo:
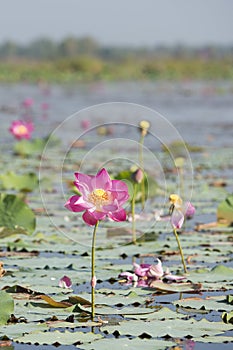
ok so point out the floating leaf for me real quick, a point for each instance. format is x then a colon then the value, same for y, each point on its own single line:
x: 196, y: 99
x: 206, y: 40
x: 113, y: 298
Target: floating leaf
x: 230, y: 299
x: 227, y: 317
x: 218, y: 339
x: 125, y: 343
x: 6, y: 307
x: 73, y: 300
x: 29, y: 148
x: 225, y: 211
x: 15, y: 216
x: 54, y: 303
x: 180, y: 148
x: 26, y: 182
x: 216, y: 274
x: 175, y: 329
x: 217, y: 303
x: 63, y: 338
x: 176, y: 287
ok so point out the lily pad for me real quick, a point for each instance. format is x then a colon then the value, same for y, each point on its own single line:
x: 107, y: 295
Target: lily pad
x: 225, y: 211
x: 26, y: 182
x: 227, y: 317
x: 176, y: 287
x: 29, y: 148
x: 217, y: 303
x: 63, y: 338
x: 178, y: 329
x: 125, y: 343
x: 15, y: 216
x: 6, y: 307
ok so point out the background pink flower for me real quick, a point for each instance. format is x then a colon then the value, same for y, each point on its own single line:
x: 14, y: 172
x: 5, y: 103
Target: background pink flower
x: 28, y: 102
x: 21, y: 129
x: 100, y: 197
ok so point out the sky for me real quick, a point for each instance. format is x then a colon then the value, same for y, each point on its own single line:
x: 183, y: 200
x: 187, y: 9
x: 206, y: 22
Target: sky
x: 121, y: 22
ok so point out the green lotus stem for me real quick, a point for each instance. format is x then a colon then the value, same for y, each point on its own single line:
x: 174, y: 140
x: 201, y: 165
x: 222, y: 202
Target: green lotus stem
x: 180, y: 249
x: 134, y: 239
x: 141, y: 163
x: 93, y: 272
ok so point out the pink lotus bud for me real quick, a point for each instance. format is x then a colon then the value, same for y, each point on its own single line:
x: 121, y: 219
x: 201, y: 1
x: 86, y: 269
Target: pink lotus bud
x: 28, y: 102
x: 137, y: 176
x: 85, y: 124
x: 189, y: 210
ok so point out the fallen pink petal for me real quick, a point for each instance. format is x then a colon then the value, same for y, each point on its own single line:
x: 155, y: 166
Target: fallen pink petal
x: 65, y: 282
x: 145, y: 274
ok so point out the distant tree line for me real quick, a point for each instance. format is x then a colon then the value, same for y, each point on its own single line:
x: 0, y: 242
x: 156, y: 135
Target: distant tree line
x: 69, y: 47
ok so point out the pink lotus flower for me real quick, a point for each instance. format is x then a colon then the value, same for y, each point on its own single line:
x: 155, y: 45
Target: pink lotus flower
x: 85, y: 124
x: 100, y: 197
x: 44, y: 106
x: 65, y: 282
x: 21, y: 129
x: 28, y: 102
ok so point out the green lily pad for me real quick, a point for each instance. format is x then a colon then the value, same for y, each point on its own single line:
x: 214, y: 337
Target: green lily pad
x: 227, y: 317
x: 29, y: 147
x: 63, y: 338
x: 26, y: 182
x: 125, y: 343
x: 176, y: 287
x: 178, y: 329
x: 217, y: 303
x: 179, y: 148
x: 6, y: 307
x: 15, y: 216
x: 225, y: 211
x: 218, y: 339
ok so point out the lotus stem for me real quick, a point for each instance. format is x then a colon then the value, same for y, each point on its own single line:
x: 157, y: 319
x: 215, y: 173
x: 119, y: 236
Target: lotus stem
x: 141, y: 162
x: 180, y: 249
x: 134, y: 239
x: 93, y: 278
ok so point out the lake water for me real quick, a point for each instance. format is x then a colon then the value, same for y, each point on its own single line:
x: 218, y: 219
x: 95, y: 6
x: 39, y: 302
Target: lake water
x: 202, y: 112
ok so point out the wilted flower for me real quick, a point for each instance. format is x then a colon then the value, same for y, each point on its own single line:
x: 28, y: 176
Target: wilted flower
x: 145, y: 274
x: 21, y: 129
x: 100, y: 197
x: 179, y: 211
x: 65, y: 282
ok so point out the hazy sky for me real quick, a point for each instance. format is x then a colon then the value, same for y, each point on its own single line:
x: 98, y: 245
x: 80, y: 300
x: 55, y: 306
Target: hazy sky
x: 133, y: 22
